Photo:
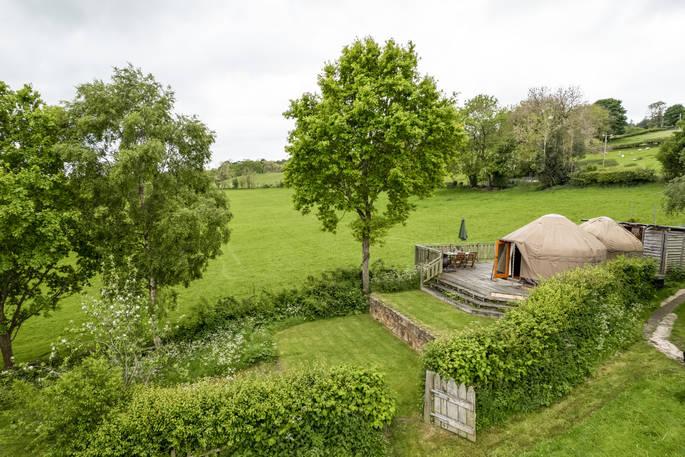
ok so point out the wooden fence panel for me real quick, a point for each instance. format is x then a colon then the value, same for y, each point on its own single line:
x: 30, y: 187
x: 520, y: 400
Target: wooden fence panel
x: 450, y: 406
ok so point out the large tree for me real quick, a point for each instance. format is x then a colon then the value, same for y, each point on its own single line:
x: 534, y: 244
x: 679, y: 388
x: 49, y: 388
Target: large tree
x: 551, y: 129
x: 159, y: 209
x: 483, y: 121
x: 45, y: 249
x: 377, y: 134
x: 672, y: 154
x: 656, y: 114
x: 674, y: 114
x: 617, y: 115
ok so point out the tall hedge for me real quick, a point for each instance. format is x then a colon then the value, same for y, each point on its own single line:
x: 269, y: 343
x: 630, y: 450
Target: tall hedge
x: 551, y: 342
x: 337, y: 412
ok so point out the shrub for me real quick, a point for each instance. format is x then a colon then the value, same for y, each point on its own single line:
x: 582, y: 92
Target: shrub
x: 653, y: 142
x: 60, y: 417
x: 314, y: 412
x: 389, y: 279
x: 603, y: 177
x: 334, y: 293
x: 551, y: 342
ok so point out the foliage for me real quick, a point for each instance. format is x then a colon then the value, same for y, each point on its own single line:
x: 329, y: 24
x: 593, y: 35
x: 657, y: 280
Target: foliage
x: 117, y: 324
x: 551, y: 129
x: 672, y: 155
x: 45, y: 244
x: 675, y: 195
x: 674, y: 114
x: 551, y: 342
x: 313, y: 412
x: 59, y: 419
x: 484, y: 124
x: 656, y: 114
x: 333, y: 293
x: 651, y: 142
x: 159, y: 209
x: 608, y: 177
x: 377, y: 128
x: 635, y: 131
x: 617, y: 115
x: 389, y: 279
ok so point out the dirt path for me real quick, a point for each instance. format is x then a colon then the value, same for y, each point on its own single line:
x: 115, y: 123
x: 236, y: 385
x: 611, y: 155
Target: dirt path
x: 658, y: 328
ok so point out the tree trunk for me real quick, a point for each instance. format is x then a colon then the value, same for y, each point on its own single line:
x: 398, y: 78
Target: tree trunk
x: 473, y: 180
x: 366, y: 242
x: 6, y: 348
x: 153, y: 313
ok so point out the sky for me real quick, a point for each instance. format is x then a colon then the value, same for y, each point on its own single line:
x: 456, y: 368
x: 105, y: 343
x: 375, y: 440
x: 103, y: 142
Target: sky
x: 236, y: 64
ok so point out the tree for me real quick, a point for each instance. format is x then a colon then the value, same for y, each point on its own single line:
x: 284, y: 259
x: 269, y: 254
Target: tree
x: 656, y: 114
x: 617, y: 115
x: 482, y: 121
x: 552, y: 128
x: 45, y: 249
x: 674, y: 114
x: 675, y: 195
x: 376, y: 135
x: 158, y: 207
x: 672, y: 155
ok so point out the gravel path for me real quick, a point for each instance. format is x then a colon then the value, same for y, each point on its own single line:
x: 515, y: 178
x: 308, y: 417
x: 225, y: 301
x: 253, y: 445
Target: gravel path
x: 658, y: 328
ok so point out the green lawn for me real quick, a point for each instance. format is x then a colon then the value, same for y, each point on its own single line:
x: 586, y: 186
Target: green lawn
x: 270, y: 179
x: 272, y: 246
x: 358, y: 341
x: 437, y: 316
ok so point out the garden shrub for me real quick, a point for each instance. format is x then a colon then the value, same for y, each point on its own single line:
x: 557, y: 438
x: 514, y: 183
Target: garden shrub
x: 632, y: 176
x: 58, y: 419
x: 551, y: 342
x: 337, y: 412
x: 389, y: 279
x: 334, y: 293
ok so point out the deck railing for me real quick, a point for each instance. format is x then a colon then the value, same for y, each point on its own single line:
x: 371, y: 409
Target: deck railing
x: 428, y: 257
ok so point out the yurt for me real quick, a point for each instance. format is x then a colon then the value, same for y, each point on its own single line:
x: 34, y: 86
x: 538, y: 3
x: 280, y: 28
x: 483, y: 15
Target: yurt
x: 617, y: 239
x: 544, y: 247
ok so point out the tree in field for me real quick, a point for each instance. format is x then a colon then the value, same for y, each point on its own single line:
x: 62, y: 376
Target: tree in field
x: 551, y: 129
x: 656, y: 114
x: 45, y: 249
x: 617, y: 115
x: 377, y: 134
x: 483, y: 120
x: 159, y: 209
x: 674, y: 114
x: 672, y: 154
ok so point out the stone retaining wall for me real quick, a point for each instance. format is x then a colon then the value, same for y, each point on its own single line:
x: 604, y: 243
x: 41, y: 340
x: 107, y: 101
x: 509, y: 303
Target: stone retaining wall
x: 400, y: 325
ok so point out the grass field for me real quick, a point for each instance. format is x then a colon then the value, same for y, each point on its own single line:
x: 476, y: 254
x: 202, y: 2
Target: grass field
x: 273, y: 246
x: 358, y: 341
x: 437, y: 316
x: 268, y: 179
x: 643, y: 137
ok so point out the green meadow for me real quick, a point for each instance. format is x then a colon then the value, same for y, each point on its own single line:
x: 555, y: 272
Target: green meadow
x: 273, y: 246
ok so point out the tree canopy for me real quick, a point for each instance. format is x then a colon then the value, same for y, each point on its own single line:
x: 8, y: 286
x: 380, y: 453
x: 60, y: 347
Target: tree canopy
x: 159, y: 209
x: 674, y: 114
x: 377, y: 134
x: 46, y: 252
x: 617, y: 115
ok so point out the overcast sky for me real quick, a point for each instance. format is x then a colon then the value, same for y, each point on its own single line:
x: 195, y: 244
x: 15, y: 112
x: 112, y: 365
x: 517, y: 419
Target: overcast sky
x: 236, y: 64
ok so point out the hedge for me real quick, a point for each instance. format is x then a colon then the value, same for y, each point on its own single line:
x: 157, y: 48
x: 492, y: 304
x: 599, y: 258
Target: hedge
x: 631, y: 176
x: 550, y: 342
x: 338, y: 412
x: 637, y: 144
x: 640, y: 132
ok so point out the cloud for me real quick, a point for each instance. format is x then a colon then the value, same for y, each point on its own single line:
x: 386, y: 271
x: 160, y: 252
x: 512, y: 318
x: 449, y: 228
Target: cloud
x: 236, y: 64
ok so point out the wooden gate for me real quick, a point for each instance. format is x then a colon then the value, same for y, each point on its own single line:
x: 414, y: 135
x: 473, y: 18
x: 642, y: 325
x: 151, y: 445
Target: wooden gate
x: 449, y: 405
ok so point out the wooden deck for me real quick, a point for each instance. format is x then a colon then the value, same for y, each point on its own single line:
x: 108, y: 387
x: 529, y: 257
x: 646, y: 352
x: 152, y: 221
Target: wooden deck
x: 477, y: 281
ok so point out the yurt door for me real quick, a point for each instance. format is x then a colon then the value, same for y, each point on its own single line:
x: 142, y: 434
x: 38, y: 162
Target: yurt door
x: 502, y: 259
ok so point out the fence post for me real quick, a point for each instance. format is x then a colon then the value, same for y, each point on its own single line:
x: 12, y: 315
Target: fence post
x: 427, y: 401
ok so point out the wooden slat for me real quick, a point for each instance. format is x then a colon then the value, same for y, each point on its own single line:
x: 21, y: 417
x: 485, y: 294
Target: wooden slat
x: 453, y: 423
x: 455, y: 401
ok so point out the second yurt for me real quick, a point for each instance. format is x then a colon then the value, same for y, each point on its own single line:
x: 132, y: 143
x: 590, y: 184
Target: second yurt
x: 548, y: 245
x: 617, y: 239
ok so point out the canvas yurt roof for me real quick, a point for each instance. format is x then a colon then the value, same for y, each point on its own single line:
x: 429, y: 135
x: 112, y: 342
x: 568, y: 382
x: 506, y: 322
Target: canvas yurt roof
x: 612, y: 235
x: 552, y: 244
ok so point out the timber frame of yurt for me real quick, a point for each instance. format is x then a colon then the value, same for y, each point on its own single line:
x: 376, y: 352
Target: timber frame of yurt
x: 664, y: 243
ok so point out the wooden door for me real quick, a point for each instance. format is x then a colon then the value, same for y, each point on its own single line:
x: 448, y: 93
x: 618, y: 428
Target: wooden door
x: 500, y: 269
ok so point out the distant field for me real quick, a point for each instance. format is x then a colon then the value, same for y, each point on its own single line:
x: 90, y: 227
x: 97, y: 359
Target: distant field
x: 626, y: 158
x: 643, y: 137
x: 273, y: 246
x: 270, y: 179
